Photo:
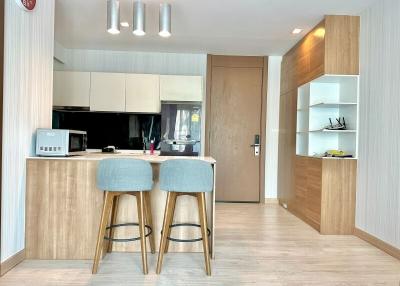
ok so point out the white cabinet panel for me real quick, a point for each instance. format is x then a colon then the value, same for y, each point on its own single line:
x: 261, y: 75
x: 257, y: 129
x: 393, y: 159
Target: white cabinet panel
x: 71, y: 88
x: 107, y: 92
x: 143, y: 93
x: 181, y: 88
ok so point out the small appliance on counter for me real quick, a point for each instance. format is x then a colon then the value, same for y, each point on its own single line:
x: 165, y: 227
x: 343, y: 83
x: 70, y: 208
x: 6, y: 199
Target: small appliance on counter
x: 180, y: 129
x: 109, y: 149
x: 60, y: 142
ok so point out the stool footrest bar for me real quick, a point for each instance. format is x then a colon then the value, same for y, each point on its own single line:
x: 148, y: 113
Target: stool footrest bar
x: 187, y: 240
x: 150, y: 231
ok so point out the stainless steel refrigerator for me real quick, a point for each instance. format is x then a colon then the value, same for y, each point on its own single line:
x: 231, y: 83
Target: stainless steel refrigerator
x: 180, y: 129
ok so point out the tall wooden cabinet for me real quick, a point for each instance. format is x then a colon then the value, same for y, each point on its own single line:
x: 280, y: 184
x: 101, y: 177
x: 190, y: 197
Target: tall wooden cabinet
x: 324, y: 193
x: 321, y: 191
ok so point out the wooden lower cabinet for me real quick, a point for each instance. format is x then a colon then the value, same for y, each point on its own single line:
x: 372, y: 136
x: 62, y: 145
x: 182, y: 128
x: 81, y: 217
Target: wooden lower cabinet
x: 325, y: 191
x: 64, y: 206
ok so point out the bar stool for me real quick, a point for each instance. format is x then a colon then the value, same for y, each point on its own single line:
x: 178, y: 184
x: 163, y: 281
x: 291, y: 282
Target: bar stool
x: 124, y: 176
x: 185, y: 177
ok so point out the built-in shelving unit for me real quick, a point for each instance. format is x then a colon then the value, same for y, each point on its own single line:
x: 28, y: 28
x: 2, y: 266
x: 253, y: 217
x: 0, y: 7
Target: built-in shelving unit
x: 329, y: 96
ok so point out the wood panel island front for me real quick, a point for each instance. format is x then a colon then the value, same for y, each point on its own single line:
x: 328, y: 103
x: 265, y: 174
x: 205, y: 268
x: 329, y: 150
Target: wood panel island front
x: 63, y: 208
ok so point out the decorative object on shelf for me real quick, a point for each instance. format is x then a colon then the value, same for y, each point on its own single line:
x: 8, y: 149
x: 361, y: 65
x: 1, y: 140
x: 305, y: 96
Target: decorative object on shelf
x: 138, y: 18
x: 165, y: 20
x: 337, y: 154
x: 339, y: 126
x: 113, y: 23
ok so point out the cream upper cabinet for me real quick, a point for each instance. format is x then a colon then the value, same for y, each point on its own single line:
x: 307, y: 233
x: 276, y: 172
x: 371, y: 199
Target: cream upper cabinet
x: 71, y: 88
x: 143, y: 93
x: 107, y: 92
x: 181, y: 88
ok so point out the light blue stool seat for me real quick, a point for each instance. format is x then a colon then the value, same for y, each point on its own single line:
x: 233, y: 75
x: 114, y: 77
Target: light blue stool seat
x: 191, y: 177
x: 124, y: 174
x: 186, y: 176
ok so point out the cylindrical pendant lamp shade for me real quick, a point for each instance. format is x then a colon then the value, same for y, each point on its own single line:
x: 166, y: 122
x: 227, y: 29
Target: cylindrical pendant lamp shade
x: 113, y: 24
x: 165, y: 20
x: 138, y: 18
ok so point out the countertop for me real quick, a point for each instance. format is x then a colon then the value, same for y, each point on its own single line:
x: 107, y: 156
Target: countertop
x: 96, y: 156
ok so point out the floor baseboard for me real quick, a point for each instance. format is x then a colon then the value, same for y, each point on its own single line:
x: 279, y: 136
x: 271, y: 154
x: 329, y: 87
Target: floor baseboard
x: 11, y: 262
x: 389, y: 249
x: 271, y: 201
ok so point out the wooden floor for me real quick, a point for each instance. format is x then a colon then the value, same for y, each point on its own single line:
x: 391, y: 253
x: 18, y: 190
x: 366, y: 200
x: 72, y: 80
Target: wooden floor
x: 255, y: 245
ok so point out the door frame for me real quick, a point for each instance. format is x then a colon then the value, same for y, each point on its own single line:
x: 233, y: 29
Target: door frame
x: 1, y: 102
x: 248, y: 62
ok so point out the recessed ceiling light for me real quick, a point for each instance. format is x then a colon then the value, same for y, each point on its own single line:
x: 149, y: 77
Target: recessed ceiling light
x: 125, y: 24
x: 297, y: 31
x: 320, y: 32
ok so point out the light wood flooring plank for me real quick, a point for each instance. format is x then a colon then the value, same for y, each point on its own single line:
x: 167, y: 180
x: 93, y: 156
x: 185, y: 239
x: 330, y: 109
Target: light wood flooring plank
x: 255, y: 245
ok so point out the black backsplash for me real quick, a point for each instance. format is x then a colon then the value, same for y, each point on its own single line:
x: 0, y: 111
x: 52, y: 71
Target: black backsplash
x: 122, y: 130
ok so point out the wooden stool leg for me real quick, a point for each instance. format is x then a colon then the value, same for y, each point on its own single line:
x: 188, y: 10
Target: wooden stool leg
x: 165, y: 229
x: 174, y: 197
x: 113, y: 220
x: 141, y: 216
x: 201, y: 199
x: 102, y: 229
x: 149, y: 221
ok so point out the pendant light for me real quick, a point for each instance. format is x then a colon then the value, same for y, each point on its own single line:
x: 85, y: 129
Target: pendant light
x: 138, y: 18
x: 165, y: 20
x: 113, y: 25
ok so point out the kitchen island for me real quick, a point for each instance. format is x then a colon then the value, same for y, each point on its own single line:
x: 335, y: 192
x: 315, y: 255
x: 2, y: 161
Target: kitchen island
x: 63, y: 208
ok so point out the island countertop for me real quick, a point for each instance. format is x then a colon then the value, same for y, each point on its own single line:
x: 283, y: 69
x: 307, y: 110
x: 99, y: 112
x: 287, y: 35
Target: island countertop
x: 63, y: 207
x: 96, y: 156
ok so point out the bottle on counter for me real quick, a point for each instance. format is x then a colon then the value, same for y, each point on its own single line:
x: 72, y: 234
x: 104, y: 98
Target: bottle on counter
x: 152, y: 147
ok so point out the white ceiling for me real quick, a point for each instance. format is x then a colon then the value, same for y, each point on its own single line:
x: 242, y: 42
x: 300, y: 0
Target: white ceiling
x: 242, y: 27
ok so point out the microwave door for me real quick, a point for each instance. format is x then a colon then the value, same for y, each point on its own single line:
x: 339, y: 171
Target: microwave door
x: 77, y: 142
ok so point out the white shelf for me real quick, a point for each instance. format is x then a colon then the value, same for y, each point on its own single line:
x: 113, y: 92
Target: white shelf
x: 327, y: 97
x: 334, y: 131
x: 332, y: 104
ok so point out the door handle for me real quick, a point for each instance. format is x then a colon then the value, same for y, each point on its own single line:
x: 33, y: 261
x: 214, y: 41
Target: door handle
x: 256, y: 145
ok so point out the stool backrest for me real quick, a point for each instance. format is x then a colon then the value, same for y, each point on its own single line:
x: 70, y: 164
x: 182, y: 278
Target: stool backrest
x: 186, y: 175
x: 124, y: 174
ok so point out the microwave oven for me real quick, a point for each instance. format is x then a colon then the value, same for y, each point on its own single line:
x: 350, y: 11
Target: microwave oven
x: 60, y: 142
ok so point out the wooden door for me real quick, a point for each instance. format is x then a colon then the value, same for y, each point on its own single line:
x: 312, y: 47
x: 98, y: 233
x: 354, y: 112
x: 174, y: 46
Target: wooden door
x: 235, y: 118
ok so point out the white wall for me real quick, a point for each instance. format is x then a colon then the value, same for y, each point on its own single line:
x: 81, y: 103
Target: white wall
x: 28, y: 80
x: 134, y: 62
x: 272, y: 132
x: 378, y: 190
x: 59, y: 53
